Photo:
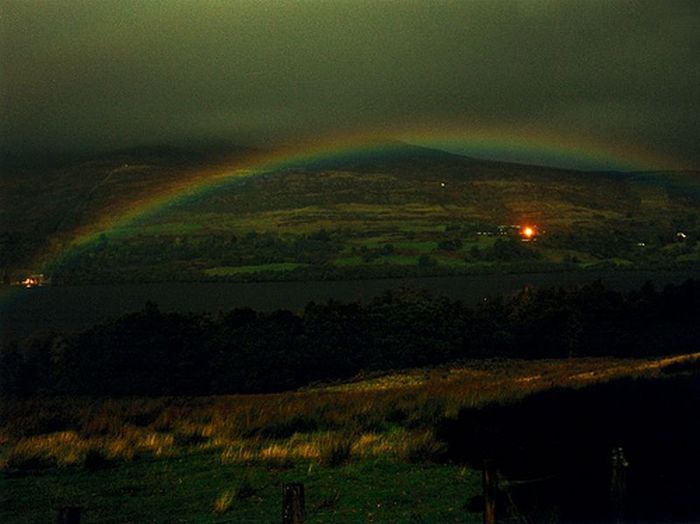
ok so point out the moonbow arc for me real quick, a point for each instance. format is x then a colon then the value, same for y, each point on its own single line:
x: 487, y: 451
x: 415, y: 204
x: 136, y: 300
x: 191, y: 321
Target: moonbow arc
x: 481, y: 145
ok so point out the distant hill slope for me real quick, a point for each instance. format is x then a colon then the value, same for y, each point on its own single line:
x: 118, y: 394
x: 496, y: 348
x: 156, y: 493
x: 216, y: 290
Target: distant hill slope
x: 398, y: 209
x: 46, y: 196
x: 43, y: 189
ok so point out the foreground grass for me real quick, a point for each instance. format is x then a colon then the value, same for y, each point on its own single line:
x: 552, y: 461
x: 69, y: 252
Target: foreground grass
x: 366, y: 449
x: 197, y: 487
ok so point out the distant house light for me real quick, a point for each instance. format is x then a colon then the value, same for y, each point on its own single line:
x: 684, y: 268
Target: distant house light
x: 528, y: 233
x: 33, y: 281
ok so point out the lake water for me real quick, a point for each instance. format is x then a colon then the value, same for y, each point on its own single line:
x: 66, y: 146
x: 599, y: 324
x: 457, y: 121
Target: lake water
x: 26, y: 311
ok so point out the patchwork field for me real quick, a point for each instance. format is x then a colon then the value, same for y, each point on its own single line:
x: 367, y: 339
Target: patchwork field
x: 412, y: 211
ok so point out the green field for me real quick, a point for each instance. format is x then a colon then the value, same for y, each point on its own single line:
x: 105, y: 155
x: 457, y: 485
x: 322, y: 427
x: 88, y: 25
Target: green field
x: 365, y: 450
x: 235, y: 270
x: 197, y: 487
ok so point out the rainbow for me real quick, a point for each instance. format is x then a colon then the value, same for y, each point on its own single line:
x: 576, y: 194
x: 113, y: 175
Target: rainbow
x: 525, y: 146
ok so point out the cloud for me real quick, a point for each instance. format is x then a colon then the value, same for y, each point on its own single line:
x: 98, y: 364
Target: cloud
x: 95, y: 75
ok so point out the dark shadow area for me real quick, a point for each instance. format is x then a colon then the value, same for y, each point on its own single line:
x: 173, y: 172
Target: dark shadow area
x: 623, y: 450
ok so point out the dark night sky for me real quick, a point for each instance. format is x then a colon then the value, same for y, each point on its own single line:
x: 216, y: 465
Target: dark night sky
x: 85, y: 75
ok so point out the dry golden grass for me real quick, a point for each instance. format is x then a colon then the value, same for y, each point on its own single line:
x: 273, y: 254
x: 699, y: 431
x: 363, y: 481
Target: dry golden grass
x: 391, y: 415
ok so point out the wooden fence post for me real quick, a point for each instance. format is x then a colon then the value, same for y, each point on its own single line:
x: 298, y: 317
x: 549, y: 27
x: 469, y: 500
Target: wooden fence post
x: 68, y: 515
x: 618, y: 484
x: 490, y: 481
x: 293, y: 511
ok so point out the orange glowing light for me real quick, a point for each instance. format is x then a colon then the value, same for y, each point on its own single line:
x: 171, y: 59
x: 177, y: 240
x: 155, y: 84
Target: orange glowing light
x: 528, y: 232
x: 29, y: 282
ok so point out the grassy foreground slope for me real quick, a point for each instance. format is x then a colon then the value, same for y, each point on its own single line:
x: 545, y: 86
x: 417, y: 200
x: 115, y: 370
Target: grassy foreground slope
x: 366, y: 450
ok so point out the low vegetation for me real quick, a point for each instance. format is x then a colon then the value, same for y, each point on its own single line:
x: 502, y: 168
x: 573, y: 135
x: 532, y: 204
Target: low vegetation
x: 227, y: 455
x: 387, y: 416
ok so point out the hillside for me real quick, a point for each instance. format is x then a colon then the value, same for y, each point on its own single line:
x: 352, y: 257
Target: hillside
x: 224, y: 458
x: 398, y: 210
x: 45, y: 197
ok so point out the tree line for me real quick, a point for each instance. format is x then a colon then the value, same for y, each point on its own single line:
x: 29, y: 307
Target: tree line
x: 152, y: 352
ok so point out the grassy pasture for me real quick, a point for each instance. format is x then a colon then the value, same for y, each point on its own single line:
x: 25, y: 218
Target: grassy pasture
x: 199, y: 488
x: 365, y: 449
